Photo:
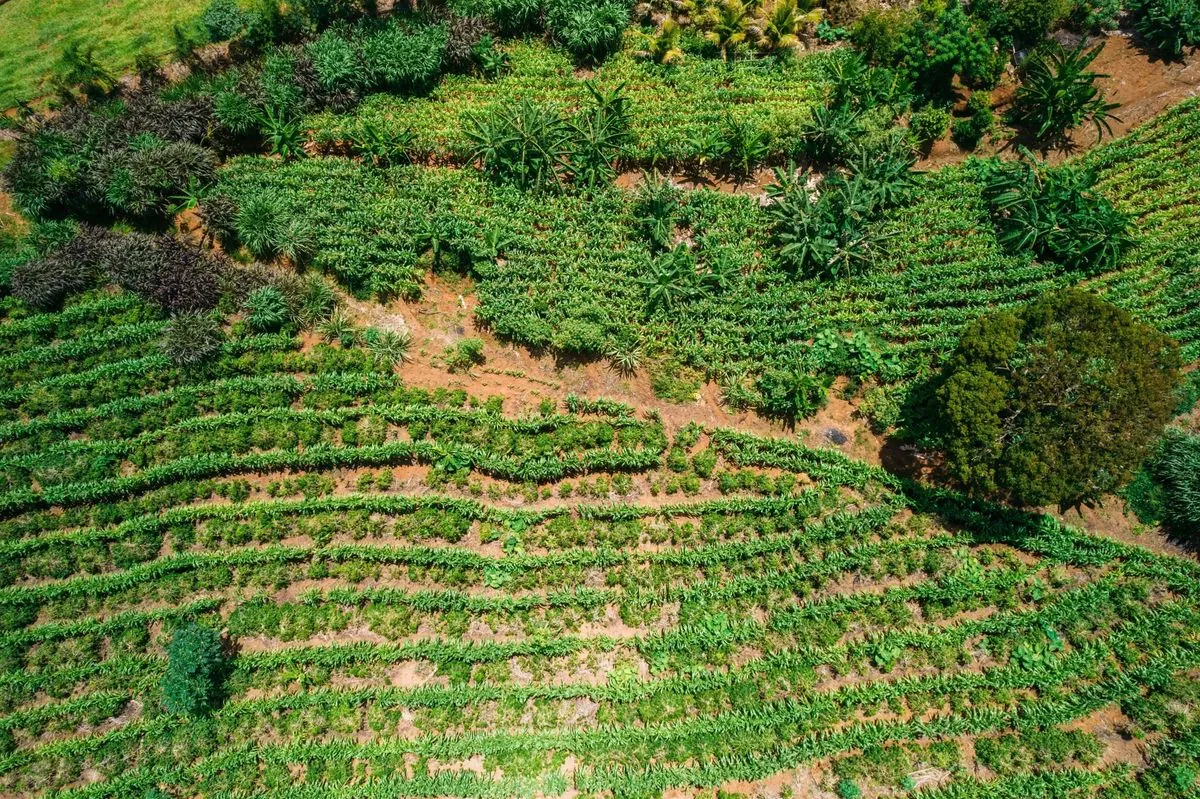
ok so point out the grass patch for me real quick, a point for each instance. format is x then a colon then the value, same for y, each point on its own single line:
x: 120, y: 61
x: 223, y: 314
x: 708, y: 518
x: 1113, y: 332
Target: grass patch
x: 35, y: 32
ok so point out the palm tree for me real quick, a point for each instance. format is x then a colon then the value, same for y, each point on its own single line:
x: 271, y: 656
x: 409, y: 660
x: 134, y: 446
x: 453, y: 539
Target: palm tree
x: 777, y: 30
x: 663, y: 47
x: 728, y: 23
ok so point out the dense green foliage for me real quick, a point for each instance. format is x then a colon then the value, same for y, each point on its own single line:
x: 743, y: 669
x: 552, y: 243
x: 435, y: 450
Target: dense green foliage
x: 1057, y: 402
x: 1168, y: 26
x: 577, y: 269
x: 1167, y: 489
x: 196, y: 667
x: 1055, y: 214
x: 1059, y: 92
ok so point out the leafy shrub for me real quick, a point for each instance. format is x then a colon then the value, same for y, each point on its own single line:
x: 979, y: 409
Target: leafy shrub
x: 1096, y: 16
x: 269, y: 229
x: 321, y: 14
x: 218, y: 213
x: 490, y: 60
x: 970, y: 130
x: 463, y: 355
x: 1059, y: 92
x: 944, y: 43
x: 829, y: 136
x: 143, y: 180
x: 590, y: 30
x: 1052, y: 213
x: 580, y: 337
x: 1167, y: 26
x: 879, y: 34
x: 791, y: 393
x: 670, y: 380
x: 223, y: 19
x: 266, y: 309
x: 47, y: 280
x: 196, y: 669
x: 929, y: 124
x: 381, y: 146
x: 397, y: 60
x: 527, y: 144
x: 336, y: 62
x: 1056, y: 402
x: 282, y: 133
x: 671, y: 279
x: 1028, y: 21
x: 515, y: 16
x: 191, y: 338
x: 130, y: 160
x: 746, y: 146
x: 535, y: 145
x: 170, y: 273
x: 833, y: 235
x: 656, y: 205
x: 80, y: 68
x: 1176, y: 468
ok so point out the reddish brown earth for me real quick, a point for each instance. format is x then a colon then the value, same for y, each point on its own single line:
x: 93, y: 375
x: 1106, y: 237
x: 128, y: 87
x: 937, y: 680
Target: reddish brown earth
x: 1143, y: 86
x: 446, y: 315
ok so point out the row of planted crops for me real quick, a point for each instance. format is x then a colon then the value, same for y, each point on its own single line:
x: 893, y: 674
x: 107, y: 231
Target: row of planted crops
x: 428, y: 594
x: 579, y: 273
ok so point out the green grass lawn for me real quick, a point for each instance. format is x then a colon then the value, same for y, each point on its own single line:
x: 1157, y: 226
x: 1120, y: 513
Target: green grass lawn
x: 35, y: 32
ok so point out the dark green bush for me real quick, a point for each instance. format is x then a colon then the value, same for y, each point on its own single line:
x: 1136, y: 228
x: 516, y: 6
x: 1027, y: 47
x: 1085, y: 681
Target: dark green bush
x: 1028, y: 21
x: 266, y: 309
x: 223, y: 19
x: 944, y: 43
x: 1056, y: 402
x: 792, y: 394
x: 928, y: 124
x: 399, y: 60
x: 192, y: 338
x: 1176, y: 467
x: 879, y: 34
x: 968, y: 131
x: 1167, y: 26
x: 590, y: 30
x: 196, y: 670
x: 515, y: 16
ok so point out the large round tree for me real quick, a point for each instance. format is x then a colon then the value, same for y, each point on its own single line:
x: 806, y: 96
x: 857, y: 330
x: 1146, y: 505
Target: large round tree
x: 1056, y: 402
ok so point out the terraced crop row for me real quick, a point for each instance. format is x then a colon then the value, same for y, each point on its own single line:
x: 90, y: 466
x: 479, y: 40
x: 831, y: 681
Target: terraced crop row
x: 416, y: 603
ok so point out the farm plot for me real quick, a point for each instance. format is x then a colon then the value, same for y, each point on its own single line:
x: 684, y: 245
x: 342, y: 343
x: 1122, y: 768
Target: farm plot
x: 427, y: 594
x: 577, y: 273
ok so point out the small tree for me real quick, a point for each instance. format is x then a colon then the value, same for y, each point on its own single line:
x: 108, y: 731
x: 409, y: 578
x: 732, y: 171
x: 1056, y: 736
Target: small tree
x: 196, y: 670
x: 1059, y: 93
x: 1057, y: 402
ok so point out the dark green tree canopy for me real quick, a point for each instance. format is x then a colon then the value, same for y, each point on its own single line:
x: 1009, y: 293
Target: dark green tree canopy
x: 1057, y: 402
